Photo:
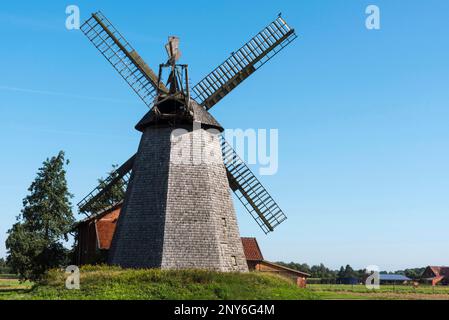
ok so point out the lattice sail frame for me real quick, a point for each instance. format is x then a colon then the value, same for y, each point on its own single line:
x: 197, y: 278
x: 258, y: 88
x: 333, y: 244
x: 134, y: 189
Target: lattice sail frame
x: 99, y: 199
x: 251, y: 193
x: 123, y: 57
x: 243, y: 62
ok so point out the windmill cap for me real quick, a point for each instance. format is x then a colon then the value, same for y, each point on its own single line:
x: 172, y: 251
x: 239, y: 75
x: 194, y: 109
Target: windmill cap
x: 200, y: 115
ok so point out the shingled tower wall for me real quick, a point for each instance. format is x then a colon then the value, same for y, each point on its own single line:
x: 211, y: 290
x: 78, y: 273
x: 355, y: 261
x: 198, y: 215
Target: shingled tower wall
x: 178, y: 214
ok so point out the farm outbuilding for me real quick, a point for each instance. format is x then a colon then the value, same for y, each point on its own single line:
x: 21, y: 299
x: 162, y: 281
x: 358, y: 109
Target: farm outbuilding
x: 393, y: 278
x: 436, y: 275
x: 94, y: 237
x: 348, y: 280
x: 256, y: 262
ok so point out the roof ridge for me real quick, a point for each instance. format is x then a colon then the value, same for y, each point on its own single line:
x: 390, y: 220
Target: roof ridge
x: 286, y: 268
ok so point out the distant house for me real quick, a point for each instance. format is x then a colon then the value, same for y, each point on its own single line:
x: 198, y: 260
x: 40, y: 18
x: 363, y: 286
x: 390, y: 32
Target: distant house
x: 256, y: 262
x: 393, y: 278
x: 94, y: 237
x: 348, y: 280
x: 435, y: 275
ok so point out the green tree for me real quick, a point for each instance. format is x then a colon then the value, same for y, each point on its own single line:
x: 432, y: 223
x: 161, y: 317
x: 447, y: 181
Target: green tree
x: 341, y: 272
x: 3, y: 266
x: 304, y: 267
x: 35, y: 241
x: 349, y: 272
x: 321, y: 271
x: 361, y: 274
x: 414, y: 273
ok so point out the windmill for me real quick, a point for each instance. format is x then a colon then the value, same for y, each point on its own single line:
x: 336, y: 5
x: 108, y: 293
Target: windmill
x: 178, y: 214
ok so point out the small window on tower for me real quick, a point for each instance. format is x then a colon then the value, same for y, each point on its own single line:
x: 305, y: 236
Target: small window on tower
x: 234, y: 261
x: 223, y: 220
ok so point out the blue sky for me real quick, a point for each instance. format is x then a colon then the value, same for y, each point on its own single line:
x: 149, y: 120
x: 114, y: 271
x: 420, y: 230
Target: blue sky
x: 362, y: 115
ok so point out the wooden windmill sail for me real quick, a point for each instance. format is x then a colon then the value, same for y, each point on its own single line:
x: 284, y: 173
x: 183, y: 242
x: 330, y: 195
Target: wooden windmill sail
x: 176, y: 215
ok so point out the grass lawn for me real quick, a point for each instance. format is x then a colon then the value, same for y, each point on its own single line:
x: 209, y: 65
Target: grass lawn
x: 102, y: 282
x: 12, y: 288
x: 115, y: 283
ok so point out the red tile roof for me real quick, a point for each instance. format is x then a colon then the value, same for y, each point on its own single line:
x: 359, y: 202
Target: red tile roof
x: 251, y: 249
x: 105, y: 228
x: 440, y: 271
x: 98, y: 215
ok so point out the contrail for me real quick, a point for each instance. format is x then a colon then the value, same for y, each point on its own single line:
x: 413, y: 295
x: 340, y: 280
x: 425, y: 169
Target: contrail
x: 61, y: 94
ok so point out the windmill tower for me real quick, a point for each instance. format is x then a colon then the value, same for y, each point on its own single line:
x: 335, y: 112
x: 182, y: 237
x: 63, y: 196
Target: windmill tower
x: 178, y: 212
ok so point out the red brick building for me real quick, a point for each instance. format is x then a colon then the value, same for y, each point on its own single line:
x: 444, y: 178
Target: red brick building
x: 94, y: 237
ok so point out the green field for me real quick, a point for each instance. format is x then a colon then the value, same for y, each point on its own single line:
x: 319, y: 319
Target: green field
x: 403, y: 292
x: 12, y: 288
x: 115, y: 283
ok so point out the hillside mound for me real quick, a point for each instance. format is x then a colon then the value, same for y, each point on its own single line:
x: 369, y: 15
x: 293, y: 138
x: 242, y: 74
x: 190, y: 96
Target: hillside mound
x: 105, y: 282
